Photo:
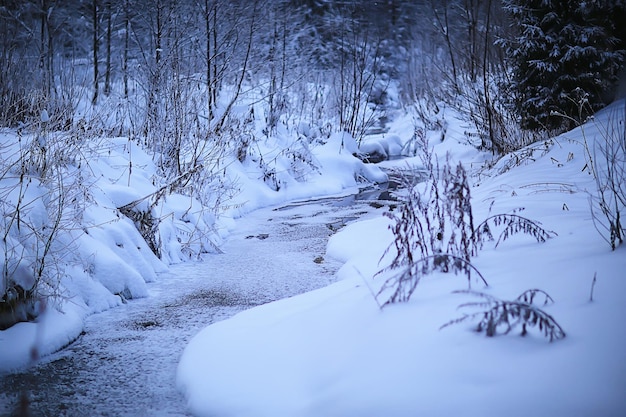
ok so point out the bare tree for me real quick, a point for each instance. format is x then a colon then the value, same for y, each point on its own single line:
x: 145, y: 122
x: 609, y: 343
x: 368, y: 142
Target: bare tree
x: 95, y: 49
x: 246, y: 59
x: 109, y: 24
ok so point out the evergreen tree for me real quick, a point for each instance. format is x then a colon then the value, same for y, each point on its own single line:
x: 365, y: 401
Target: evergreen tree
x: 563, y: 48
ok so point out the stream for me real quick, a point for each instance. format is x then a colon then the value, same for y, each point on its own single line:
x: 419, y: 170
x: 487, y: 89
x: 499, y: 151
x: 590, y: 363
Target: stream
x: 124, y: 363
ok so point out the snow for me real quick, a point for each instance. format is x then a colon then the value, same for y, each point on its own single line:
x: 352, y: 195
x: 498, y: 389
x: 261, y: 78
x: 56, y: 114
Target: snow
x: 334, y: 352
x: 337, y: 171
x: 54, y: 330
x: 132, y: 351
x: 104, y: 261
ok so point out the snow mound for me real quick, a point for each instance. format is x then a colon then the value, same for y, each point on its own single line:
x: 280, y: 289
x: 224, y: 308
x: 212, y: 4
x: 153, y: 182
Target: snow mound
x: 333, y: 352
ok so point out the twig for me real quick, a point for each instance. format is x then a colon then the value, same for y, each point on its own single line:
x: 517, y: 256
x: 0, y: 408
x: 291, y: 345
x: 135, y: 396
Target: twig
x: 593, y: 285
x: 368, y: 287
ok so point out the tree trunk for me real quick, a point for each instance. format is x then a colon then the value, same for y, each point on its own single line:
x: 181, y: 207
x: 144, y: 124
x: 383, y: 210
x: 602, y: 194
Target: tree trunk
x: 244, y: 68
x: 96, y: 75
x: 126, y: 46
x: 214, y: 83
x: 107, y: 74
x: 45, y: 60
x: 444, y: 27
x: 209, y: 63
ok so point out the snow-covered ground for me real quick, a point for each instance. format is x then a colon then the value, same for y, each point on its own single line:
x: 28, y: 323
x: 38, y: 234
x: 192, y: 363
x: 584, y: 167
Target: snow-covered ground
x: 101, y: 258
x: 334, y: 352
x: 124, y: 364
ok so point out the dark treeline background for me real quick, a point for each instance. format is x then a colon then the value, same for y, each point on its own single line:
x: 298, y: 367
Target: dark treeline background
x: 127, y: 47
x: 164, y: 66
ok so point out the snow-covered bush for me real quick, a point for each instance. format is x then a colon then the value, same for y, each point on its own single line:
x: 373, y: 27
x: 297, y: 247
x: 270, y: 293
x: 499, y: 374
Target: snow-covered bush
x: 36, y: 193
x: 59, y: 196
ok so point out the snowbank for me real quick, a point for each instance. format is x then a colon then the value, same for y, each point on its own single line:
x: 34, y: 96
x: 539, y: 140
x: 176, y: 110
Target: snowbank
x: 102, y: 258
x: 97, y: 259
x: 333, y: 169
x: 333, y: 352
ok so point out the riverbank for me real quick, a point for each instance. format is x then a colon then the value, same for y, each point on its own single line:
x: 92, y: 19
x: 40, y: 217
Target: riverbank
x: 124, y: 362
x: 337, y: 352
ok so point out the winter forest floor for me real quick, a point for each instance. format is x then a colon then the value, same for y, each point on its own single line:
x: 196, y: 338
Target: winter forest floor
x: 125, y: 361
x: 201, y: 329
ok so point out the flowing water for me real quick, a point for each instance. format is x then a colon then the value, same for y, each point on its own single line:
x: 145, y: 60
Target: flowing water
x: 124, y: 363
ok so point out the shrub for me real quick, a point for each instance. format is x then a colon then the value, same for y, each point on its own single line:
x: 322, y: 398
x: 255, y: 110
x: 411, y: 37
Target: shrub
x: 434, y: 230
x: 513, y: 223
x: 605, y: 160
x: 500, y: 317
x: 608, y: 165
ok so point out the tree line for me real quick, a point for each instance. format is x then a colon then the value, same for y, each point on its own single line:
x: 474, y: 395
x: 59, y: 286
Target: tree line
x: 171, y: 65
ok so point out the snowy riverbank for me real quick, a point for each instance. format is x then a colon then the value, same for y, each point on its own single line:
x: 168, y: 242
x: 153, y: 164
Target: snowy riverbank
x: 334, y: 352
x: 102, y: 260
x: 124, y: 363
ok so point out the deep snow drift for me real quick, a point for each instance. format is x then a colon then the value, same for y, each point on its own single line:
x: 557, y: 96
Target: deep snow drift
x: 102, y: 259
x: 334, y: 352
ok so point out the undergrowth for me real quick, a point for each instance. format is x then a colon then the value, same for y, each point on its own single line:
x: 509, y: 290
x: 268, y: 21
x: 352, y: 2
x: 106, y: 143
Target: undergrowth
x: 513, y: 223
x: 501, y: 317
x: 434, y: 231
x: 605, y: 161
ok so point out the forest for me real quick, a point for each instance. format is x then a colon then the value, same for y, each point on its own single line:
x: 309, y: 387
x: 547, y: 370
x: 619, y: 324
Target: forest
x: 176, y: 69
x: 136, y: 136
x: 194, y: 83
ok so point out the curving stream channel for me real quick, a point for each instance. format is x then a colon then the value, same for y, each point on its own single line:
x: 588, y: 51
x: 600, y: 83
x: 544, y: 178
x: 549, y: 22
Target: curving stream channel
x: 125, y: 361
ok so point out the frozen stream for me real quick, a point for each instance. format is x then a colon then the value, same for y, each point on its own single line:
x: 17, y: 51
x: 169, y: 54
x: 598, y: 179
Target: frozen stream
x: 124, y: 363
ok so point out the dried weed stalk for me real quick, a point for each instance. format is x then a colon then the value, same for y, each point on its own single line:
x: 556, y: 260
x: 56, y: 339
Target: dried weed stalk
x: 500, y: 317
